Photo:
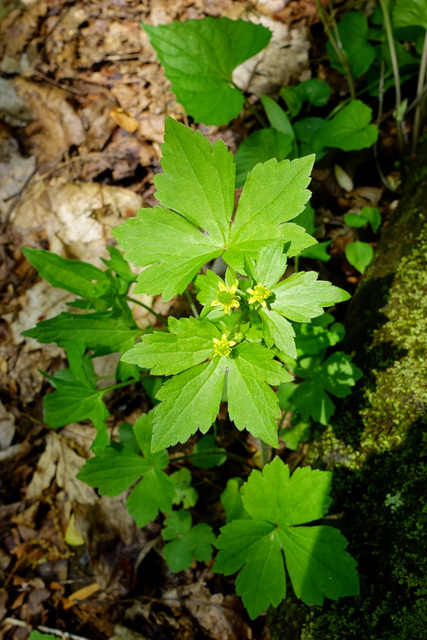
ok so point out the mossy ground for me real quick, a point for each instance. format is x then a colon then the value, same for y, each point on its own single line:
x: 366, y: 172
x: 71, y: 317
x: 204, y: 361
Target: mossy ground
x: 377, y: 449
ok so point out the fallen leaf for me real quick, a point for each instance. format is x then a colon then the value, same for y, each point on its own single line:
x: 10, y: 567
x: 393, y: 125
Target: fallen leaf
x: 124, y: 120
x: 81, y: 594
x: 56, y: 125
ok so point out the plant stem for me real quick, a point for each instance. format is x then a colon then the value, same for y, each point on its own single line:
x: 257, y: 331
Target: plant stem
x: 395, y: 67
x: 191, y: 303
x: 223, y: 452
x: 127, y: 383
x: 420, y: 89
x: 251, y: 107
x: 379, y: 118
x: 141, y: 304
x: 337, y: 46
x: 296, y: 264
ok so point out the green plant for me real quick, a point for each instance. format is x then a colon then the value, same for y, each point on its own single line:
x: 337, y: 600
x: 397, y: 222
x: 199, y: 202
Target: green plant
x: 360, y: 254
x: 248, y: 318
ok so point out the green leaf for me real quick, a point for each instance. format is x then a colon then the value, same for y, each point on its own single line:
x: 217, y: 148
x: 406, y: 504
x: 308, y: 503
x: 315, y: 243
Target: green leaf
x: 187, y: 541
x: 278, y: 506
x: 152, y: 494
x: 355, y: 220
x: 295, y: 434
x: 410, y: 13
x: 349, y: 130
x: 317, y: 252
x: 359, y: 254
x: 114, y: 471
x: 306, y: 131
x: 119, y: 266
x: 231, y: 500
x: 73, y: 402
x: 373, y: 216
x: 318, y: 335
x: 316, y: 92
x: 353, y: 31
x: 80, y: 278
x: 252, y: 404
x: 269, y: 266
x: 277, y: 330
x: 103, y: 332
x: 189, y: 343
x: 36, y: 635
x: 318, y: 565
x: 199, y: 57
x: 206, y: 453
x: 259, y: 147
x: 202, y: 190
x: 277, y: 117
x: 336, y: 376
x: 190, y: 401
x: 311, y: 400
x: 118, y: 468
x: 273, y: 194
x: 184, y: 492
x: 176, y: 244
x: 175, y: 248
x: 293, y: 98
x: 301, y: 297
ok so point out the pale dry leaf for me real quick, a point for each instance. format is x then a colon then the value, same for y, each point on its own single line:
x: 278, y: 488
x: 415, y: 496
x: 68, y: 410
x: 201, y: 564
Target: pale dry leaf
x: 7, y: 427
x: 61, y: 462
x: 15, y: 171
x: 285, y: 57
x: 78, y: 218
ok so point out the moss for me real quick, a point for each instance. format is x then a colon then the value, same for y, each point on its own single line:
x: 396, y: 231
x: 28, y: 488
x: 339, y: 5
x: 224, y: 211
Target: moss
x: 376, y: 447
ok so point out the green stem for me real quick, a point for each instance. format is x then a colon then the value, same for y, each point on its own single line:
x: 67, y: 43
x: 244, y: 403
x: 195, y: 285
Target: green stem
x: 337, y: 46
x: 141, y: 304
x: 191, y: 303
x: 420, y: 89
x: 251, y: 107
x: 395, y: 67
x: 224, y: 452
x: 296, y: 264
x: 119, y: 385
x: 379, y: 118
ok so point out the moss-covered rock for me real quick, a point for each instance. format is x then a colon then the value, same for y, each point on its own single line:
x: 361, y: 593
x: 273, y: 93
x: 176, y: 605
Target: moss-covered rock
x: 377, y: 448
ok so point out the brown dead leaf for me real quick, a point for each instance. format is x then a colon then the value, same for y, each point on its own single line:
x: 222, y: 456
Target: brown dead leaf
x: 56, y: 125
x: 124, y: 120
x: 81, y: 594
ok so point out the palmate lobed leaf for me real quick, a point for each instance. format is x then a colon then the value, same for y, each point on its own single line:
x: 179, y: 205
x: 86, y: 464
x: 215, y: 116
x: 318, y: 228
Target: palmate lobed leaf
x: 73, y: 401
x: 189, y: 343
x: 191, y: 400
x: 186, y: 541
x: 199, y: 57
x: 315, y: 557
x: 116, y: 469
x: 174, y: 245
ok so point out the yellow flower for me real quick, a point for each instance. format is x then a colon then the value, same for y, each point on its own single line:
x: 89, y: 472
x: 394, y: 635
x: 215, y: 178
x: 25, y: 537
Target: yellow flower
x: 259, y: 294
x: 226, y: 297
x: 223, y: 347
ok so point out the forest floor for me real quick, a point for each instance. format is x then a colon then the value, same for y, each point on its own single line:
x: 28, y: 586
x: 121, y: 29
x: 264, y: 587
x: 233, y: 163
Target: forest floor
x: 82, y: 106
